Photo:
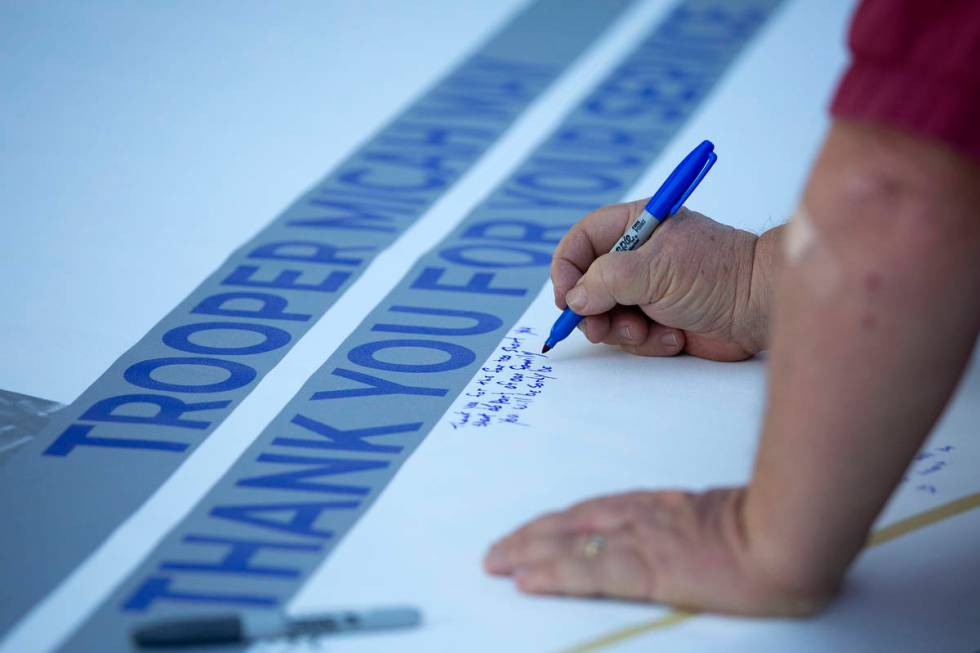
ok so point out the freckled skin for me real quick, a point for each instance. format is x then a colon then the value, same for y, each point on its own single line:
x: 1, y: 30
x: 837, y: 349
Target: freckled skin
x: 880, y: 289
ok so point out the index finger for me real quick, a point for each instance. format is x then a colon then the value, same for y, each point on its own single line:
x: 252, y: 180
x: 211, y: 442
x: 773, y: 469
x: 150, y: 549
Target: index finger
x: 590, y: 238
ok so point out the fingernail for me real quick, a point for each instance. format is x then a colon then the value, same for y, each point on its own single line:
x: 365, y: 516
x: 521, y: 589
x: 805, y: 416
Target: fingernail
x: 577, y: 298
x: 670, y: 340
x: 625, y: 334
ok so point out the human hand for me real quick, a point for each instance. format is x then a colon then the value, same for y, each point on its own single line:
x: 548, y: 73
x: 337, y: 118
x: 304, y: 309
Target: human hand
x: 692, y: 287
x: 683, y: 549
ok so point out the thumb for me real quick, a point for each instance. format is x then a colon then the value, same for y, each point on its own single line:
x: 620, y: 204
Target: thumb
x: 614, y: 278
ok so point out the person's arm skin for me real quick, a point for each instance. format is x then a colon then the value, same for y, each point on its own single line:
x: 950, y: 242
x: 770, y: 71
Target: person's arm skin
x: 876, y: 314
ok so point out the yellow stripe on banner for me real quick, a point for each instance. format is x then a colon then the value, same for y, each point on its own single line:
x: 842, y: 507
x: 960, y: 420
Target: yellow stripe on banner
x: 923, y: 519
x: 886, y: 534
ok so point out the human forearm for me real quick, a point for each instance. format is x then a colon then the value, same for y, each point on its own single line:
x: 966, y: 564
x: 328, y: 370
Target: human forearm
x: 876, y: 315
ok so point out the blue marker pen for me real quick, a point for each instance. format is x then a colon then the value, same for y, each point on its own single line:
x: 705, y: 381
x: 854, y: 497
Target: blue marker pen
x: 665, y: 202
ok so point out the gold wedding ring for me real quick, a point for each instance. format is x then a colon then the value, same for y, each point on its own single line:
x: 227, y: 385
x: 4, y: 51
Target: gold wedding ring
x: 593, y: 546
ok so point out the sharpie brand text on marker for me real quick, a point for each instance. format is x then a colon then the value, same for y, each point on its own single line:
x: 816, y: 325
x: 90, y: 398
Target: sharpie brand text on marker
x: 664, y: 203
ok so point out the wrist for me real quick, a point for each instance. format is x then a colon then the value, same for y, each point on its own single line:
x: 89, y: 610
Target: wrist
x: 771, y: 582
x: 790, y: 581
x: 753, y: 320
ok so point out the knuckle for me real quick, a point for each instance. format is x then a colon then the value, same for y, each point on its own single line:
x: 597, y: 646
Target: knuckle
x: 622, y: 276
x: 622, y: 211
x: 648, y: 273
x: 634, y: 512
x: 605, y: 274
x: 563, y: 245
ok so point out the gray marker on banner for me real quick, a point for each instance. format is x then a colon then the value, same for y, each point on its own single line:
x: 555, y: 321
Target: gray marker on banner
x: 249, y: 626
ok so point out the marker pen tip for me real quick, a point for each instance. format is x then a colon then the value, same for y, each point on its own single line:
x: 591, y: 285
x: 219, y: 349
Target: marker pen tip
x: 545, y: 349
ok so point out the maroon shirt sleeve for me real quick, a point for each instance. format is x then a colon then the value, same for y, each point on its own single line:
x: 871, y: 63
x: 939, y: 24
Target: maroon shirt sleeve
x: 916, y: 67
